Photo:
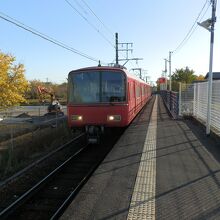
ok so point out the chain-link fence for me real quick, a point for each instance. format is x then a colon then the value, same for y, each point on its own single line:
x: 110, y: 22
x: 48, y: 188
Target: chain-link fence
x: 186, y: 99
x: 27, y: 135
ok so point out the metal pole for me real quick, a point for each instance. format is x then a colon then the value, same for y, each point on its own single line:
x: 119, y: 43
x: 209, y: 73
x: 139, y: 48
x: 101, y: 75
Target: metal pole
x: 198, y: 101
x: 194, y: 99
x: 170, y: 71
x: 116, y: 47
x: 180, y: 99
x: 210, y: 68
x: 140, y: 74
x: 165, y: 73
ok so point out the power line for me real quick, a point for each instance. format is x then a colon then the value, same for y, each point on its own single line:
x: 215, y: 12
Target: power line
x: 45, y: 37
x: 195, y: 28
x: 92, y: 25
x: 82, y: 8
x: 192, y: 29
x: 108, y: 29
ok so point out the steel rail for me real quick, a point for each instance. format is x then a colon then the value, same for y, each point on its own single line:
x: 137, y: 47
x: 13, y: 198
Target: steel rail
x: 39, y: 160
x: 68, y: 200
x: 16, y: 204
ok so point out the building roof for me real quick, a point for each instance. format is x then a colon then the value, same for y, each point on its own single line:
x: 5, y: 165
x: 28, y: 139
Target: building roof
x: 216, y: 75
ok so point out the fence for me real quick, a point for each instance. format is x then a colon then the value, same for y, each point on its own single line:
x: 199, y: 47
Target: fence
x: 186, y: 99
x: 28, y: 110
x: 171, y: 99
x: 25, y: 135
x: 193, y: 100
x: 200, y: 104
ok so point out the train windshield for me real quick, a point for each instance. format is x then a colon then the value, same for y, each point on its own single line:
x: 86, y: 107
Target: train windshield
x: 97, y: 87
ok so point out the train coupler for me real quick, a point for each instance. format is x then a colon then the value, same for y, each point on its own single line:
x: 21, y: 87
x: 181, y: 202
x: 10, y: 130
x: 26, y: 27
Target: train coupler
x: 94, y: 133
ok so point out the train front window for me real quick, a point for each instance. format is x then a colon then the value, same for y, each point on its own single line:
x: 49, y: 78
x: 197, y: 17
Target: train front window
x: 97, y: 87
x: 85, y: 88
x: 113, y: 87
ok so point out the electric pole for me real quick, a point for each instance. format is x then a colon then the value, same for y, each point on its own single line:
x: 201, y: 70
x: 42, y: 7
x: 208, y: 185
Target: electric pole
x: 116, y: 47
x: 170, y: 87
x: 127, y: 49
x: 165, y: 72
x: 213, y: 20
x: 140, y: 71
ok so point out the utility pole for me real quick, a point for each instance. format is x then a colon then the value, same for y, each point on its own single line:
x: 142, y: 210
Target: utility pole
x: 116, y: 47
x: 140, y: 71
x: 170, y: 71
x: 209, y: 25
x: 213, y: 20
x: 127, y: 49
x: 165, y: 72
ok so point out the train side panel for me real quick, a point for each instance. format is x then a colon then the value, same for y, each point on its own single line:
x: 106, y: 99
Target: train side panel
x: 138, y: 95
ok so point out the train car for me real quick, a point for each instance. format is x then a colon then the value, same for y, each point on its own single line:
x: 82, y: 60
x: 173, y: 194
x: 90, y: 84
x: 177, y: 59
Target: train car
x: 101, y: 97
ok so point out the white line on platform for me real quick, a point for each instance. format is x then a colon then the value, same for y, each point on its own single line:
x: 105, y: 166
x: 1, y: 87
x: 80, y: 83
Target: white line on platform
x: 143, y: 198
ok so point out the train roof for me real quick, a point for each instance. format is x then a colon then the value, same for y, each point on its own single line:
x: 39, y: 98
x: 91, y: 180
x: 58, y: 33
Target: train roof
x: 99, y: 68
x: 114, y: 68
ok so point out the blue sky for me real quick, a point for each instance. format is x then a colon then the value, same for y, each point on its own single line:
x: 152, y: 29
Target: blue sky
x: 155, y: 28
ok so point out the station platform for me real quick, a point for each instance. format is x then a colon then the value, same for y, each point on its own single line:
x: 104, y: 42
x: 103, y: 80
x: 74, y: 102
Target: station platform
x: 159, y: 169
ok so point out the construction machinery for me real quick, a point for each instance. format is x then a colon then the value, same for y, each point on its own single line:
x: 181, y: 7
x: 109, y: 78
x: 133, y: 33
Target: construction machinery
x: 54, y: 106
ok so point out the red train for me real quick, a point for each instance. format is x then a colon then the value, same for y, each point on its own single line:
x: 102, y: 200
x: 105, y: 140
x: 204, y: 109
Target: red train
x: 100, y: 97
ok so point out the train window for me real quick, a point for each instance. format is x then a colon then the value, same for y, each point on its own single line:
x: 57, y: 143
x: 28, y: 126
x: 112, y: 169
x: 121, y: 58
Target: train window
x: 131, y: 90
x: 142, y: 90
x: 95, y: 87
x: 138, y: 92
x: 85, y: 87
x: 113, y: 87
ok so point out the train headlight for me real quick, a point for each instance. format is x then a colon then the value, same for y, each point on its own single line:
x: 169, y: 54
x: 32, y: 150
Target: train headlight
x: 114, y: 118
x: 77, y: 117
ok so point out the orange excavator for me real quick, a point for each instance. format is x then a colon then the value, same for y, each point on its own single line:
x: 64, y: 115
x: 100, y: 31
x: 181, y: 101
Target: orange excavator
x: 54, y: 106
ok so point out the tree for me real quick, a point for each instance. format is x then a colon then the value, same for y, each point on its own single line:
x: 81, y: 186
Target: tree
x: 200, y: 77
x: 186, y: 76
x: 60, y: 90
x: 32, y: 92
x: 13, y: 84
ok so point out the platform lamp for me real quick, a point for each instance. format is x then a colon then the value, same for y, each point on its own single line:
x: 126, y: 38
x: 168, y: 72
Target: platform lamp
x: 209, y: 25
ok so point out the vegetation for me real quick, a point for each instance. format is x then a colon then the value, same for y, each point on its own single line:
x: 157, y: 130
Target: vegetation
x: 60, y: 91
x: 186, y: 76
x: 13, y: 84
x: 182, y: 75
x: 16, y: 90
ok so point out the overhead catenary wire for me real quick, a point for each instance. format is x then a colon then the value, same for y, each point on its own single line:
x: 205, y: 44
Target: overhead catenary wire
x: 80, y: 14
x: 195, y: 28
x: 92, y: 25
x: 45, y: 37
x: 192, y: 29
x: 82, y: 8
x: 107, y: 28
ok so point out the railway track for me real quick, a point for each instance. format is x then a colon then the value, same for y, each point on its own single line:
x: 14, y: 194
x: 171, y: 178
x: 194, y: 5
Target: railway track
x: 48, y: 198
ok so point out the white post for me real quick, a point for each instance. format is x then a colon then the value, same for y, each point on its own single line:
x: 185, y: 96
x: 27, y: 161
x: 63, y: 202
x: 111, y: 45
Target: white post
x: 208, y: 121
x: 210, y: 68
x: 180, y: 99
x: 198, y: 100
x: 194, y: 99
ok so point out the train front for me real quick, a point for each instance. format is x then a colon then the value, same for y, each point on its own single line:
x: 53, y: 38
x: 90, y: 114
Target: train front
x: 97, y: 99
